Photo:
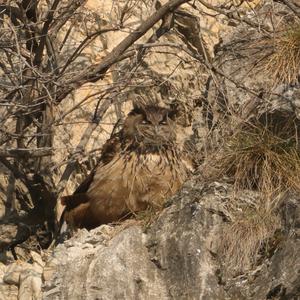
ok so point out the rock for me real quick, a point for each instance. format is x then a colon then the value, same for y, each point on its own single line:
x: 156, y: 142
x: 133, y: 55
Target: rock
x: 180, y: 244
x: 248, y: 85
x: 26, y: 277
x: 49, y: 269
x: 13, y: 272
x: 8, y: 292
x: 3, y: 268
x: 175, y: 258
x: 278, y: 277
x: 7, y: 234
x: 30, y: 285
x: 172, y: 260
x: 37, y: 259
x: 96, y: 269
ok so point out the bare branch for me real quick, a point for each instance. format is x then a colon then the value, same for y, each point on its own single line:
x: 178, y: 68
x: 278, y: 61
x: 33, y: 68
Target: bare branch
x: 83, y: 44
x: 230, y: 15
x: 294, y: 7
x: 49, y: 19
x: 96, y: 72
x: 19, y: 152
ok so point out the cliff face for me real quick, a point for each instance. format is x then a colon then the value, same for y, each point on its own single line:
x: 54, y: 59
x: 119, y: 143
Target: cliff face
x: 176, y: 257
x: 181, y: 253
x: 169, y: 260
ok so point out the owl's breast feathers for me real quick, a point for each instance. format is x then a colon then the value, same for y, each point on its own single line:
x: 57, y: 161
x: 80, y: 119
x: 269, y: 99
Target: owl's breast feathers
x: 138, y: 180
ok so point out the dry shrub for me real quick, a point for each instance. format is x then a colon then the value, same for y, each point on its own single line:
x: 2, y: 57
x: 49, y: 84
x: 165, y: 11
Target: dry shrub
x: 244, y: 237
x: 282, y: 65
x: 148, y: 216
x: 263, y: 155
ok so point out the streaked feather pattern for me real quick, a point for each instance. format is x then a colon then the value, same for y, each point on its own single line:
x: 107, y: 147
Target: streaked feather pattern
x: 141, y: 166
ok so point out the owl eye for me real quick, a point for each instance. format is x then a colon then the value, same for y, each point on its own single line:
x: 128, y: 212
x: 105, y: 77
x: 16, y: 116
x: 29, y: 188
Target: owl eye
x: 164, y: 121
x: 145, y: 122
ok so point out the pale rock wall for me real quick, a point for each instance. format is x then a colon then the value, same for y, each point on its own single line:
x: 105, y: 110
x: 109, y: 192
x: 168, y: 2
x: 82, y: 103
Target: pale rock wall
x: 184, y: 80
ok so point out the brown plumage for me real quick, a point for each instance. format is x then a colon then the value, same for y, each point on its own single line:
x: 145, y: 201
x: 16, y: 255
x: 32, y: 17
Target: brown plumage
x: 140, y: 166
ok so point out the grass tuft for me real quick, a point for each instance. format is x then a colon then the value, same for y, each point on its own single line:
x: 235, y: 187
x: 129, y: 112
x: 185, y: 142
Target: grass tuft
x: 283, y: 63
x: 263, y: 156
x: 245, y: 237
x: 257, y: 157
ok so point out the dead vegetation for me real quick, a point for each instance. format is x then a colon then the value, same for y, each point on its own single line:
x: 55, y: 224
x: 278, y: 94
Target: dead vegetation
x: 283, y: 62
x: 245, y: 237
x: 262, y: 155
x: 66, y: 82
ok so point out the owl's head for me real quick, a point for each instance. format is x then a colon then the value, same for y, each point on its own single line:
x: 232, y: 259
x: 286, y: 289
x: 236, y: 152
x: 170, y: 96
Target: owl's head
x: 150, y: 126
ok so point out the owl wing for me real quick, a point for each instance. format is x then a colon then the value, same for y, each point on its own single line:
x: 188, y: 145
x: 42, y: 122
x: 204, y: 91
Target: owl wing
x: 71, y: 202
x: 84, y: 186
x: 109, y: 150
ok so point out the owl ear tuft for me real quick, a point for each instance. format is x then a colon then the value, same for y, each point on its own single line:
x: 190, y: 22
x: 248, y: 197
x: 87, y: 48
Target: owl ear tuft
x: 181, y: 114
x: 138, y: 108
x: 174, y: 111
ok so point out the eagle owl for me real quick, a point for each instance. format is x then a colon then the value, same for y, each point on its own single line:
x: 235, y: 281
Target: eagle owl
x: 140, y: 166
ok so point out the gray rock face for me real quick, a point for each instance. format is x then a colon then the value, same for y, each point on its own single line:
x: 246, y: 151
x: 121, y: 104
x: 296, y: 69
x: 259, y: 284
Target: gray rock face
x: 104, y: 269
x: 22, y: 280
x: 176, y: 258
x: 184, y: 256
x: 278, y: 277
x: 171, y: 260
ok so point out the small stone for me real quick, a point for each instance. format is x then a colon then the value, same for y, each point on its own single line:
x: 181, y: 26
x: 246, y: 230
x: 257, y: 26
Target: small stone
x: 13, y: 273
x: 37, y: 258
x: 8, y: 292
x: 30, y: 285
x: 3, y: 268
x: 50, y: 269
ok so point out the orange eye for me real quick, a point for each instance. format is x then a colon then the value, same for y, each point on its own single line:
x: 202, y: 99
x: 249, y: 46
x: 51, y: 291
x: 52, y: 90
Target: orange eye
x: 164, y: 121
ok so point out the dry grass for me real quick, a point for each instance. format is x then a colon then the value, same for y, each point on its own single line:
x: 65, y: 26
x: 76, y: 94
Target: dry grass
x: 258, y: 158
x: 261, y: 156
x: 283, y: 64
x: 148, y: 216
x: 244, y: 238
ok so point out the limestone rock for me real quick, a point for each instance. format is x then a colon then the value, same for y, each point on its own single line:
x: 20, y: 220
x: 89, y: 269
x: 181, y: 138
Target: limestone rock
x: 247, y: 81
x: 278, y: 277
x: 175, y: 258
x: 171, y: 260
x: 22, y: 280
x: 13, y: 272
x: 109, y: 269
x: 30, y: 285
x: 8, y: 292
